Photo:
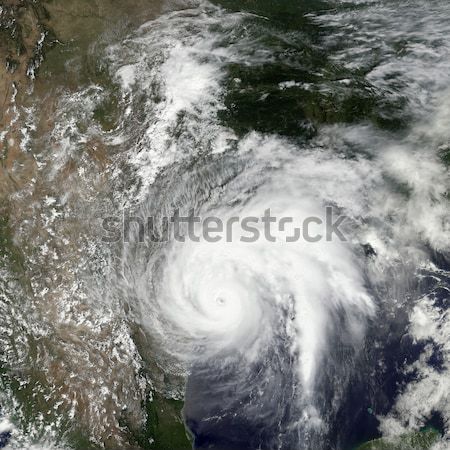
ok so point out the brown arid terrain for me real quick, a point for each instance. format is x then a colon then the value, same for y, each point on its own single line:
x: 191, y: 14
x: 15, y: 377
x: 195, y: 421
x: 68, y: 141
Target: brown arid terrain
x: 65, y: 32
x: 73, y: 374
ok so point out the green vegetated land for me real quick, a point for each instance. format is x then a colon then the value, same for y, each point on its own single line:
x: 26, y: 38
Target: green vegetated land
x: 323, y: 91
x: 165, y: 428
x: 422, y: 440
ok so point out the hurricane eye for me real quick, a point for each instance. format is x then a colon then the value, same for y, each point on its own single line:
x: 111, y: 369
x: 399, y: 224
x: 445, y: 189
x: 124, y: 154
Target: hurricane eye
x: 220, y: 301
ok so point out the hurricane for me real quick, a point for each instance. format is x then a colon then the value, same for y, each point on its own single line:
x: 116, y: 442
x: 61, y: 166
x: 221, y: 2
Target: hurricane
x: 272, y: 334
x: 321, y: 113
